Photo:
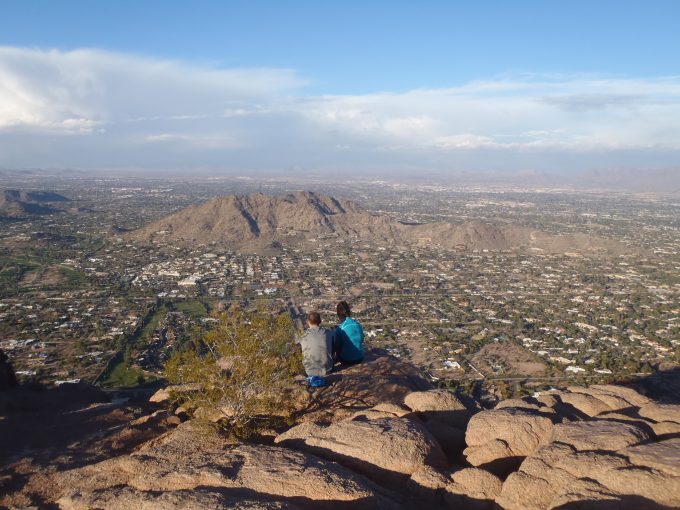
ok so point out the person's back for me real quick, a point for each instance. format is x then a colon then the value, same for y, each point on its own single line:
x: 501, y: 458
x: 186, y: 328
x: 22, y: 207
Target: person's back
x: 317, y: 350
x: 350, y: 336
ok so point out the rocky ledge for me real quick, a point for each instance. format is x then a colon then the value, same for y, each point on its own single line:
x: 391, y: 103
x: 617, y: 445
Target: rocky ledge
x: 378, y: 437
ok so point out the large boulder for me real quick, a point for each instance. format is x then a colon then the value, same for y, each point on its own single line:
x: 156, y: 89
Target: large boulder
x: 441, y: 405
x: 115, y: 498
x: 598, y: 435
x: 472, y: 488
x: 584, y: 403
x: 433, y: 400
x: 603, y: 454
x: 445, y: 416
x: 660, y: 412
x: 629, y: 395
x: 638, y: 476
x: 499, y: 439
x: 427, y: 486
x: 379, y: 448
x: 187, y: 468
x: 164, y: 394
x: 615, y: 397
x: 663, y: 456
x: 581, y: 403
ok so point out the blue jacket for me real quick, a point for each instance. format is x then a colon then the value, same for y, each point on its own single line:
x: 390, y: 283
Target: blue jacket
x: 349, y: 340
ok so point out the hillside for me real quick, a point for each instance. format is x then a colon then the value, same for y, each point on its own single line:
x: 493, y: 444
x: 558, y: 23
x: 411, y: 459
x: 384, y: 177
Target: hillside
x: 19, y: 203
x: 254, y: 222
x: 33, y: 196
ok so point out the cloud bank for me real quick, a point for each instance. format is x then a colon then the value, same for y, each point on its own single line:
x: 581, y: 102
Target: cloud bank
x: 95, y: 109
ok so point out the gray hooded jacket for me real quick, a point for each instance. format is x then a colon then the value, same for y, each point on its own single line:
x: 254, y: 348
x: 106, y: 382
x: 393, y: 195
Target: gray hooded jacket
x: 317, y: 351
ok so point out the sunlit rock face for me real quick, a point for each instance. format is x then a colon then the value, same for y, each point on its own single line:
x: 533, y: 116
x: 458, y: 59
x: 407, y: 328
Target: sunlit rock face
x: 377, y: 437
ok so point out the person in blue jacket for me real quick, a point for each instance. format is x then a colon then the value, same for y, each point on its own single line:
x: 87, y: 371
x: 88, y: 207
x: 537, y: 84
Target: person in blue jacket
x: 348, y: 339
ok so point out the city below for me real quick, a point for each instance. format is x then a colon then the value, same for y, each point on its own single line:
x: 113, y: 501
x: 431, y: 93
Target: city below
x: 547, y: 286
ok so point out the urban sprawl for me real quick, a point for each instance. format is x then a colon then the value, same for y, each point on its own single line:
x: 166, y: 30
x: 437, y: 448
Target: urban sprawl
x: 79, y: 301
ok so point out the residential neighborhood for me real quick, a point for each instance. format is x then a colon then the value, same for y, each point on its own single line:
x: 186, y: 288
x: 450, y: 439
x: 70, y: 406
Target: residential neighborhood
x: 80, y: 300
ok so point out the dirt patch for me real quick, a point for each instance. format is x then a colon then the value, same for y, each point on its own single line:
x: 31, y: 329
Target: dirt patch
x: 506, y: 359
x: 48, y: 277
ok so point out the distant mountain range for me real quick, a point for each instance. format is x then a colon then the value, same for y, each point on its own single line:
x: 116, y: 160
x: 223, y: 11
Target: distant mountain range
x: 15, y: 202
x: 256, y: 222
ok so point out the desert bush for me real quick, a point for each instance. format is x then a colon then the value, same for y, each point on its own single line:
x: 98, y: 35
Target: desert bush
x: 242, y: 372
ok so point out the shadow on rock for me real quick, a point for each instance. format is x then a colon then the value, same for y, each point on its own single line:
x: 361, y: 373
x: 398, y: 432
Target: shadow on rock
x: 623, y: 503
x: 379, y: 379
x: 662, y: 386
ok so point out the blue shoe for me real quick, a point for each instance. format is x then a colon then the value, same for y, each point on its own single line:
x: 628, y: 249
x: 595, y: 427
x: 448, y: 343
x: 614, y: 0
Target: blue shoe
x: 316, y: 381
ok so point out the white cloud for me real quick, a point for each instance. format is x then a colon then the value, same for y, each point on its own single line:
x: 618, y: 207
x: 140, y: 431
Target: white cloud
x: 51, y: 89
x: 464, y: 141
x: 166, y: 137
x: 194, y: 141
x: 588, y: 102
x: 519, y: 115
x: 140, y: 111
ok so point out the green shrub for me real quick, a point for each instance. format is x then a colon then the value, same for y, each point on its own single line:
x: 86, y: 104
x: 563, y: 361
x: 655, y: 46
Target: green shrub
x: 241, y: 373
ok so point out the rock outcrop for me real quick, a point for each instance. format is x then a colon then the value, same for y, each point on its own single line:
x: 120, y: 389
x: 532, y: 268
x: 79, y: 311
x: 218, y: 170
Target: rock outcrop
x: 379, y: 382
x: 499, y: 439
x: 190, y: 468
x: 440, y: 405
x: 376, y: 438
x: 378, y: 448
x: 639, y: 476
x: 601, y: 451
x: 445, y: 416
x: 598, y: 435
x: 472, y: 487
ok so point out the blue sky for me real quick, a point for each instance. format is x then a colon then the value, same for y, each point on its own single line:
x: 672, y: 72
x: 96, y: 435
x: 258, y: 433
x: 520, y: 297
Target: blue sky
x: 367, y: 86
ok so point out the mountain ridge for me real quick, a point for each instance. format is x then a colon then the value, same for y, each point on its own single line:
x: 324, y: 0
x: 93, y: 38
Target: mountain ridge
x: 257, y: 221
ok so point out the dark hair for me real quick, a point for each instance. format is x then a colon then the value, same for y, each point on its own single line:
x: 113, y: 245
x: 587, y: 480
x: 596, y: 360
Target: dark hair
x: 343, y: 309
x: 314, y: 318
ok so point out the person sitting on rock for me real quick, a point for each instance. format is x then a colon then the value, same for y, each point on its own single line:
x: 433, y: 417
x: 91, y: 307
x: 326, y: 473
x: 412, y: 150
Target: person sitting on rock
x: 348, y: 340
x: 317, y: 350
